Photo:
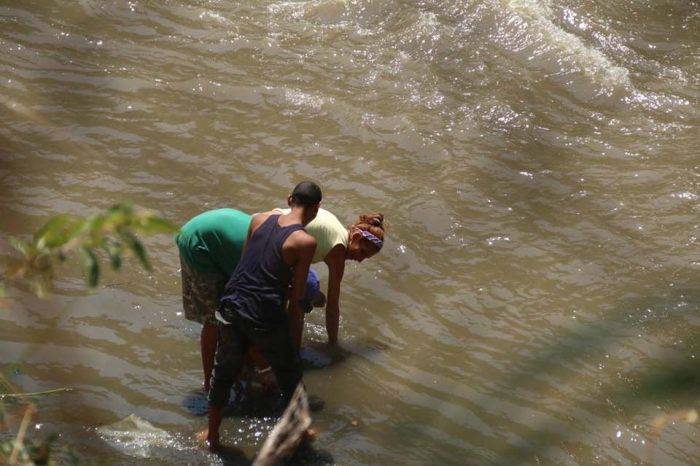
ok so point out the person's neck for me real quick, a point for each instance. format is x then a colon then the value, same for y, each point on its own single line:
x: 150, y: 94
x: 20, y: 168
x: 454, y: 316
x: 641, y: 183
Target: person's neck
x: 293, y: 217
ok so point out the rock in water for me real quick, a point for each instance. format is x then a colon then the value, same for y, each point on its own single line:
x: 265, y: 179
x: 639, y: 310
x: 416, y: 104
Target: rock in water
x: 288, y: 432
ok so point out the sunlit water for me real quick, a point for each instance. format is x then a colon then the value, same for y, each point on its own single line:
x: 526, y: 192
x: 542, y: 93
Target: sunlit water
x: 538, y: 164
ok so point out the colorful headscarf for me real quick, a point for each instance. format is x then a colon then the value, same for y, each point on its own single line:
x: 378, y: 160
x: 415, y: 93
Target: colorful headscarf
x: 373, y: 238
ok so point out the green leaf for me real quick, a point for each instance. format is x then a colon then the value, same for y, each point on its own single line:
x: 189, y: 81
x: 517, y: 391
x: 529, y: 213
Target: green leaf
x: 118, y: 216
x: 121, y: 213
x: 72, y: 231
x: 133, y: 243
x: 115, y: 255
x: 56, y: 223
x: 92, y: 268
x: 94, y: 226
x: 94, y: 222
x: 57, y: 232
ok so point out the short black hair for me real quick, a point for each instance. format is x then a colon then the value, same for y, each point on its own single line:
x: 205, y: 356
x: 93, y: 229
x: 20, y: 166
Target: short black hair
x: 306, y: 193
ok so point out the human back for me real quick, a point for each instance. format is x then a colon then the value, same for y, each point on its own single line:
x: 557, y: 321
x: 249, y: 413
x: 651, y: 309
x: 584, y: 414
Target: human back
x: 258, y: 285
x: 212, y: 242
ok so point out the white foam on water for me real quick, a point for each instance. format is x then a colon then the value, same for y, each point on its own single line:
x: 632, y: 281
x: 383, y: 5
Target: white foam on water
x: 657, y: 101
x: 292, y: 9
x: 328, y: 10
x: 427, y: 23
x: 215, y: 17
x: 137, y: 437
x: 686, y: 195
x: 303, y: 99
x: 592, y: 61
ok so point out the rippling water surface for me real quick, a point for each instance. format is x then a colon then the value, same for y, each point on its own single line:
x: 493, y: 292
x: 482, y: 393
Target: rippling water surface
x: 537, y: 161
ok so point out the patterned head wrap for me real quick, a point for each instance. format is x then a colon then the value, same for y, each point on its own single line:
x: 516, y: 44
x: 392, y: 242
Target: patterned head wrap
x: 373, y: 238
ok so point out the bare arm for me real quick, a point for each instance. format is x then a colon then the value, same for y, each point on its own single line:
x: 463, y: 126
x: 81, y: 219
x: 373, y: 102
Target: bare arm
x: 335, y: 260
x: 306, y: 246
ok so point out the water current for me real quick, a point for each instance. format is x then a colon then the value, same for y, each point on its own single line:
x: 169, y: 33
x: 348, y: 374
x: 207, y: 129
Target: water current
x: 537, y: 163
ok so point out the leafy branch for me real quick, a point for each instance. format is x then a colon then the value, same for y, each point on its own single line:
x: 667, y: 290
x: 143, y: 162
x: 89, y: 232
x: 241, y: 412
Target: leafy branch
x: 114, y: 232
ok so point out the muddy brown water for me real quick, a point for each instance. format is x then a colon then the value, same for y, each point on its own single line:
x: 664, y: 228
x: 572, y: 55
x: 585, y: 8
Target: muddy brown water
x: 538, y: 164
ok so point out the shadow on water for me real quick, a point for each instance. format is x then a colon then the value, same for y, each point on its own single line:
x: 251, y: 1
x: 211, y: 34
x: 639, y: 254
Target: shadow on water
x: 255, y: 405
x: 670, y: 382
x: 243, y: 403
x: 255, y: 408
x: 317, y: 355
x: 231, y: 456
x: 306, y: 455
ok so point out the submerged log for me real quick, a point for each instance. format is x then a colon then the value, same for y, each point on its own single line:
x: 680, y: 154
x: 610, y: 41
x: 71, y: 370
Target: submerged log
x: 288, y: 433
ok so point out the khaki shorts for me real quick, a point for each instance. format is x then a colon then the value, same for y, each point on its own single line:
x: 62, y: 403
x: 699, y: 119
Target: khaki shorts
x: 201, y: 294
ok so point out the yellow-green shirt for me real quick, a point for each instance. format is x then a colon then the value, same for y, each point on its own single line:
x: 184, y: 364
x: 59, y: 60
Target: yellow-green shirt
x: 328, y: 232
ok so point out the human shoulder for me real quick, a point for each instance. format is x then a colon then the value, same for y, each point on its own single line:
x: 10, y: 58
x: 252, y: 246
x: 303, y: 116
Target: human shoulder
x: 259, y: 218
x: 303, y: 239
x: 326, y: 216
x: 338, y: 232
x: 302, y: 243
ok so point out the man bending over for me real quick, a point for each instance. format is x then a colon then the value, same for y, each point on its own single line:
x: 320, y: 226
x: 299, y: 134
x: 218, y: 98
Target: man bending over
x: 278, y: 250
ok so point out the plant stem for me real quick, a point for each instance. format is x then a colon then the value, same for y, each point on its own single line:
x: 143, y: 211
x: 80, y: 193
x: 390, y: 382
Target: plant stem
x: 46, y: 392
x: 19, y: 441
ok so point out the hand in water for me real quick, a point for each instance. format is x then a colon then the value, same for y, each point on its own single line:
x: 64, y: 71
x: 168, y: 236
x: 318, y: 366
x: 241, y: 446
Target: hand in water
x: 322, y: 354
x: 335, y: 352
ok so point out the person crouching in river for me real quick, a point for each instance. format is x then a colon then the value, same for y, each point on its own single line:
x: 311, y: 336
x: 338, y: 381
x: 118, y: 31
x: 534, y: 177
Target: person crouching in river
x: 336, y: 245
x: 278, y: 251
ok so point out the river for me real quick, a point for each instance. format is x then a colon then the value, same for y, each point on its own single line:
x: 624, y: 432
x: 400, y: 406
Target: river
x: 537, y: 162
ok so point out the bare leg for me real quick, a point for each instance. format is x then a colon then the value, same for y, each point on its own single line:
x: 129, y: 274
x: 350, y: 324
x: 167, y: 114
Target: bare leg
x: 208, y: 342
x: 214, y: 424
x: 232, y: 347
x: 296, y: 326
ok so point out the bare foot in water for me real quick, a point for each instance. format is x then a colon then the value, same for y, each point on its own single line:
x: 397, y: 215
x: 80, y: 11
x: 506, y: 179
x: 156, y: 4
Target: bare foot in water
x: 211, y: 444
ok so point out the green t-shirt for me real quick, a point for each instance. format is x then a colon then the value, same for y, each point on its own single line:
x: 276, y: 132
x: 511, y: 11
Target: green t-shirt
x: 212, y: 241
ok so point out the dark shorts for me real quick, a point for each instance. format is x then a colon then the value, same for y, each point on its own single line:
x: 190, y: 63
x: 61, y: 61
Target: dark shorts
x: 201, y: 294
x: 234, y: 340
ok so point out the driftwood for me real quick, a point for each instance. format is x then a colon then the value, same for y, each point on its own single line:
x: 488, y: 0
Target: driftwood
x: 288, y: 432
